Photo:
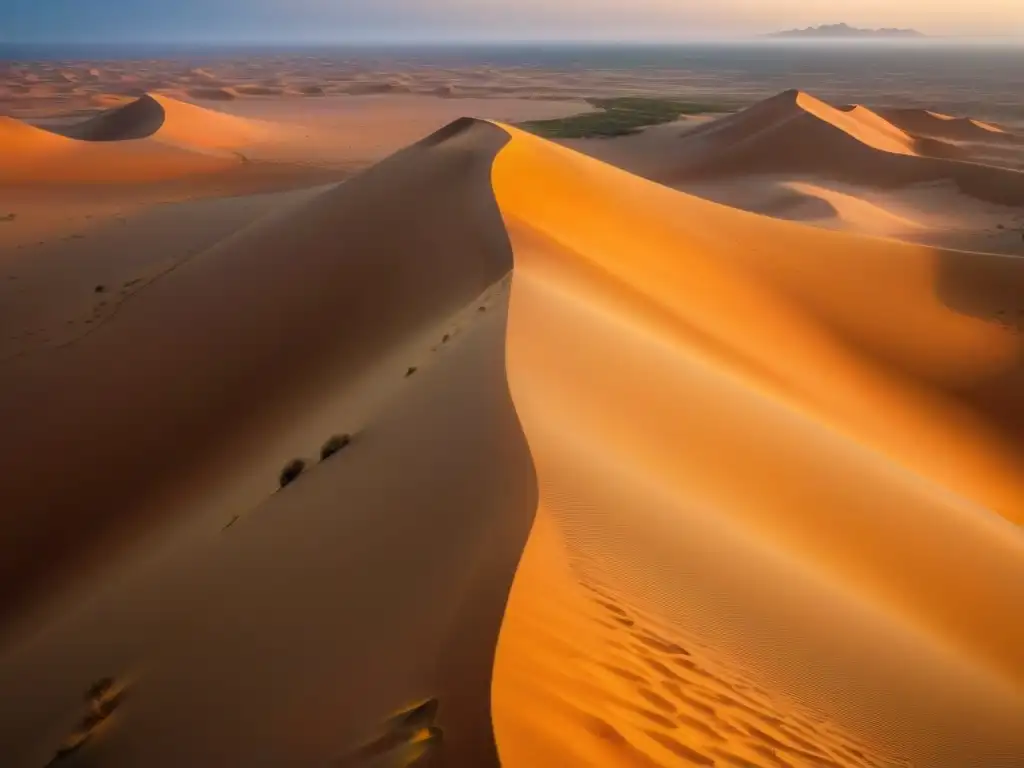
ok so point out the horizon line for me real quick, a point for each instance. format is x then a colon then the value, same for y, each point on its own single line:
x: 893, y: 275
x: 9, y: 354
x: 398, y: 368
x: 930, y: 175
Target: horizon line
x: 768, y: 38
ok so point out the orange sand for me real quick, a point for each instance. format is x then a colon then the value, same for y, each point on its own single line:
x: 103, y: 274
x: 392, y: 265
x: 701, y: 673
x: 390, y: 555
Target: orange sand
x: 774, y: 474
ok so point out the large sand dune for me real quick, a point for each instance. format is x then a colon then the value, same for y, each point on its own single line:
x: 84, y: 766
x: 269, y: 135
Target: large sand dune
x: 149, y: 139
x: 170, y: 121
x: 774, y: 477
x: 798, y: 134
x: 773, y: 387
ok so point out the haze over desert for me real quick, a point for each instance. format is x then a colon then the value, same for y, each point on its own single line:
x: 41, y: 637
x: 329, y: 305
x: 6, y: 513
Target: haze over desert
x: 537, y: 406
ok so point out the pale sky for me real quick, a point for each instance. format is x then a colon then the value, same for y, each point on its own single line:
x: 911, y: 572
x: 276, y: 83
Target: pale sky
x: 342, y: 20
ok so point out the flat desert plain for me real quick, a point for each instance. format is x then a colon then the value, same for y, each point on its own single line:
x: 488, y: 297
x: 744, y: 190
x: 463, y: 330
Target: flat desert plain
x: 346, y: 422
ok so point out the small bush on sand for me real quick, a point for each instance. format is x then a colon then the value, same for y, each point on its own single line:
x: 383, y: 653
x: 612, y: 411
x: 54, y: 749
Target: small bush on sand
x: 333, y: 445
x: 99, y: 690
x: 291, y: 472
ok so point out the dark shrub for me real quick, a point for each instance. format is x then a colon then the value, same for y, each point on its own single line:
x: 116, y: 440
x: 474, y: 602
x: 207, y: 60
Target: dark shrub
x: 333, y: 445
x: 291, y: 472
x: 99, y: 689
x: 411, y: 371
x: 100, y: 288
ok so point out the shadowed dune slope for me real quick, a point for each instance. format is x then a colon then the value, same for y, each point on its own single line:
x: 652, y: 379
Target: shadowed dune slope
x: 783, y: 443
x: 922, y: 122
x: 374, y: 581
x: 236, y: 336
x: 796, y: 133
x: 802, y: 114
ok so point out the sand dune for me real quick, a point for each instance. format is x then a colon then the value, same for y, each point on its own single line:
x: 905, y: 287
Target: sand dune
x: 170, y: 121
x: 686, y: 391
x: 801, y: 114
x: 336, y: 303
x: 152, y: 138
x: 796, y: 133
x: 773, y: 475
x: 937, y: 125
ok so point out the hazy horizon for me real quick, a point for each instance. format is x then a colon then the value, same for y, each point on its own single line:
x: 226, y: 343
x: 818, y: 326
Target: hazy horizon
x: 483, y: 21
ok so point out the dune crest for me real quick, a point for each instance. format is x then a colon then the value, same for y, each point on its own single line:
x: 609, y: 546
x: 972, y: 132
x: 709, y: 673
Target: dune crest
x: 799, y: 113
x: 937, y: 125
x: 796, y: 133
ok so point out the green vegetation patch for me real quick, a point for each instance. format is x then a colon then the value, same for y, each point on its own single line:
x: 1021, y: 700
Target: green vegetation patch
x: 620, y: 116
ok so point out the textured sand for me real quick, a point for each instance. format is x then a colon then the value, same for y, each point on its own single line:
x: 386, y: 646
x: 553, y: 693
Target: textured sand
x: 634, y: 479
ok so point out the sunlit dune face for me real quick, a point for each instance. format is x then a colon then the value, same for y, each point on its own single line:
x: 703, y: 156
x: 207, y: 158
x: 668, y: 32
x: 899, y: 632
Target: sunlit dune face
x: 492, y: 452
x: 713, y: 387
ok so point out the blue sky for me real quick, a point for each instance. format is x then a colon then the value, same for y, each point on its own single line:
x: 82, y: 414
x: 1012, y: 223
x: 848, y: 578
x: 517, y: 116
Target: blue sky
x: 343, y: 20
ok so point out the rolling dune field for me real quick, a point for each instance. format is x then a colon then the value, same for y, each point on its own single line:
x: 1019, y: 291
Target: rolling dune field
x: 447, y: 445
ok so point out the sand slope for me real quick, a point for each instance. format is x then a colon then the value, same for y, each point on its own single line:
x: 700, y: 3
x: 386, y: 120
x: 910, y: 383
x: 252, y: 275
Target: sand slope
x: 186, y: 321
x: 740, y: 404
x: 170, y: 121
x: 776, y: 474
x: 335, y: 304
x: 149, y: 139
x: 797, y: 134
x: 32, y: 156
x: 923, y: 122
x: 812, y: 202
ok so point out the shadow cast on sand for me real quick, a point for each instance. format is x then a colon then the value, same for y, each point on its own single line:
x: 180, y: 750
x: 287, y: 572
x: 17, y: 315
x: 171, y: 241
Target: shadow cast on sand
x: 260, y: 353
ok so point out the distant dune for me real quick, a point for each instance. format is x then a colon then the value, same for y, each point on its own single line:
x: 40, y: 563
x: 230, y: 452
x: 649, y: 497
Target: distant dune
x: 940, y: 126
x: 797, y: 133
x: 151, y: 138
x: 169, y: 121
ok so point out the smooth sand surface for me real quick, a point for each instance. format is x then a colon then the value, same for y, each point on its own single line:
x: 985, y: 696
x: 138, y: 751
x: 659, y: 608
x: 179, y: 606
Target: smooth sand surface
x: 355, y: 325
x: 633, y: 478
x: 703, y: 474
x: 919, y: 177
x: 33, y: 156
x: 795, y: 132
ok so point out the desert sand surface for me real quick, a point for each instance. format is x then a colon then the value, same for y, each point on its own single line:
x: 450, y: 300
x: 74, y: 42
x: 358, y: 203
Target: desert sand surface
x: 619, y: 474
x: 981, y: 83
x: 912, y: 175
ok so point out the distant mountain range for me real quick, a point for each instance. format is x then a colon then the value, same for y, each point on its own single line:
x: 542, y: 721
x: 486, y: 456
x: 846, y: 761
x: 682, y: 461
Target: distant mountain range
x: 845, y: 31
